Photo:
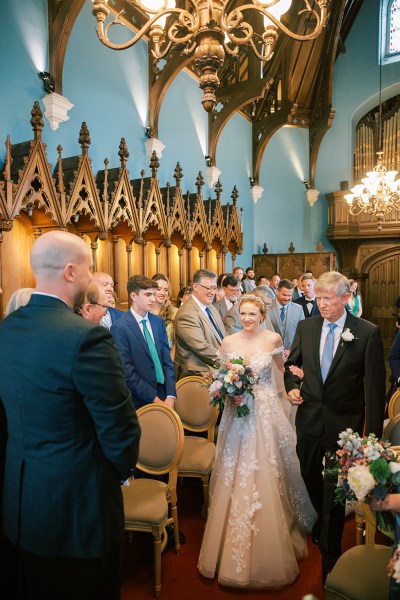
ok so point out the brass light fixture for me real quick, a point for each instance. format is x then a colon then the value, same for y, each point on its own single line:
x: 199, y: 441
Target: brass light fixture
x: 378, y: 193
x: 207, y: 30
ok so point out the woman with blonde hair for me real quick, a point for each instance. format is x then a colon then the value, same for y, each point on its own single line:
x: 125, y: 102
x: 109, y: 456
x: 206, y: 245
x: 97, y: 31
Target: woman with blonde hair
x: 19, y: 298
x: 164, y: 309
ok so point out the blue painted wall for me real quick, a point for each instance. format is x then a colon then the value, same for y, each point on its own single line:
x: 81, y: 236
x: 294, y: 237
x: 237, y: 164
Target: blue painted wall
x: 109, y: 91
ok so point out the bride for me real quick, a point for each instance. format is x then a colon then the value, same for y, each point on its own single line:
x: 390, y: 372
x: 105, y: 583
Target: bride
x: 259, y: 507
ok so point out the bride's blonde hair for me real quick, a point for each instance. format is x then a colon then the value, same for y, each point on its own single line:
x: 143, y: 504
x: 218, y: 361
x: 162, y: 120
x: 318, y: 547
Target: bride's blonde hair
x: 255, y: 298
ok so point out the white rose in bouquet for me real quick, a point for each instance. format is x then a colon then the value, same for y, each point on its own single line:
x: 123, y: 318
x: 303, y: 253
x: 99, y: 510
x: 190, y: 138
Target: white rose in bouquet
x: 360, y: 480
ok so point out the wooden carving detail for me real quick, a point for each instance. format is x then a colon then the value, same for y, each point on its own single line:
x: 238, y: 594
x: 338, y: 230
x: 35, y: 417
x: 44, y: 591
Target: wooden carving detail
x: 109, y: 204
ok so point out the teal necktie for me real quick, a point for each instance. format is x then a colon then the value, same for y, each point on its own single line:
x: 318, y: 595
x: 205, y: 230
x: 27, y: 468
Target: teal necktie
x: 154, y: 354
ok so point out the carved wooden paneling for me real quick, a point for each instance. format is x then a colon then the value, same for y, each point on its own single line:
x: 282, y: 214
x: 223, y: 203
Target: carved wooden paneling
x: 292, y: 264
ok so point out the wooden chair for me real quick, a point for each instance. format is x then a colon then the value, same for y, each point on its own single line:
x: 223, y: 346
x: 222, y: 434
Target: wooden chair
x: 361, y: 572
x: 149, y: 504
x: 197, y: 416
x: 391, y: 433
x: 394, y: 404
x: 365, y: 524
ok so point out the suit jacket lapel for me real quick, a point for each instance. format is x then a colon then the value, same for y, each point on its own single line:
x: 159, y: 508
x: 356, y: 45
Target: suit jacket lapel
x: 155, y: 329
x: 316, y: 342
x: 206, y: 320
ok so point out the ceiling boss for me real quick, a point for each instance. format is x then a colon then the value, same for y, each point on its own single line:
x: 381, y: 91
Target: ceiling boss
x: 207, y: 30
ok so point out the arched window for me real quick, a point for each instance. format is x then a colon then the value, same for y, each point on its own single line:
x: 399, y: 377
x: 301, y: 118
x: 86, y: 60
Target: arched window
x: 390, y: 41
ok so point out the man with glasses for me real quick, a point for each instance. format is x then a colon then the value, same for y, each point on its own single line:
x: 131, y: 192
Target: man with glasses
x: 199, y: 329
x: 231, y: 287
x: 94, y: 305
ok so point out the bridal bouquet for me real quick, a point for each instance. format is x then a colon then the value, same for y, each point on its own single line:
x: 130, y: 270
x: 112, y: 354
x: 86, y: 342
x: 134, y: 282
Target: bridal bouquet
x: 231, y: 377
x: 366, y: 468
x: 394, y: 565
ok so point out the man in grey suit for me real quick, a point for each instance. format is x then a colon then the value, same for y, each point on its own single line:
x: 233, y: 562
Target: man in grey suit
x: 231, y: 287
x: 285, y: 315
x: 199, y: 329
x: 249, y: 284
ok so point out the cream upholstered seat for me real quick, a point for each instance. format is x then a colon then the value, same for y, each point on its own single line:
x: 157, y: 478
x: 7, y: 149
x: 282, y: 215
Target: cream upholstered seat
x: 361, y: 572
x: 198, y: 415
x: 394, y: 404
x: 149, y: 504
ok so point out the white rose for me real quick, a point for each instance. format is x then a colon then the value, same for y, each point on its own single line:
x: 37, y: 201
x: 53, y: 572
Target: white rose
x: 394, y: 467
x: 360, y: 481
x: 215, y: 386
x: 347, y: 336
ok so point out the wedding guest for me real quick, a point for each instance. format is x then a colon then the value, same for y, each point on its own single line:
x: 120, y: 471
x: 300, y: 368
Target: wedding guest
x: 354, y: 304
x: 199, y: 329
x: 249, y: 284
x: 164, y: 308
x: 79, y: 438
x: 183, y: 295
x: 19, y: 298
x: 308, y: 300
x: 259, y: 507
x: 92, y: 305
x: 343, y: 386
x: 220, y: 291
x: 231, y: 287
x: 263, y: 280
x: 106, y: 282
x: 239, y: 273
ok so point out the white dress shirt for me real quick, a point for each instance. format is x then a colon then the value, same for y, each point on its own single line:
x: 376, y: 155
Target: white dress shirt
x: 337, y: 332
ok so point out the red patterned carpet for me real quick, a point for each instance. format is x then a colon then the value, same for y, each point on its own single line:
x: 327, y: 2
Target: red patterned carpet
x: 180, y: 579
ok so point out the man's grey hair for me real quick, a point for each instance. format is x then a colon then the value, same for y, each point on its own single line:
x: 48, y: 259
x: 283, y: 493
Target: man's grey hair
x: 333, y: 281
x: 265, y: 290
x: 206, y: 273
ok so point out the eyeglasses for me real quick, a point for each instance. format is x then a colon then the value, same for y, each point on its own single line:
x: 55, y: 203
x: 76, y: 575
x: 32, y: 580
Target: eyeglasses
x: 102, y: 306
x: 209, y: 289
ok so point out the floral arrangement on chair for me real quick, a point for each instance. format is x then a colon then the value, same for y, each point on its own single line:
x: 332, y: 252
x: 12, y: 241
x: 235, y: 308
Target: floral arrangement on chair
x: 366, y: 468
x: 230, y: 378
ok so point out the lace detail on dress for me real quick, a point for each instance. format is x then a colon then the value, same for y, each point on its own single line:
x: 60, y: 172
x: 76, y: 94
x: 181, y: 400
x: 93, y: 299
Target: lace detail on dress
x: 256, y: 488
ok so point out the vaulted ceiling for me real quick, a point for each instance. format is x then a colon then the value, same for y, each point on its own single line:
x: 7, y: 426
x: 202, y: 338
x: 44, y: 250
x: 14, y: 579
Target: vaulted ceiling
x: 294, y: 88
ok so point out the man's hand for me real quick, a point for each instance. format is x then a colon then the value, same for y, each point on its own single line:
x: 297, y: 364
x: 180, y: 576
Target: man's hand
x: 169, y: 401
x: 295, y: 397
x: 286, y: 353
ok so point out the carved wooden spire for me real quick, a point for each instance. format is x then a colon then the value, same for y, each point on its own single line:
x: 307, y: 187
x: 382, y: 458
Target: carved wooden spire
x: 234, y: 195
x: 60, y: 174
x: 84, y: 138
x: 154, y: 164
x: 218, y: 189
x: 178, y: 174
x: 123, y: 152
x: 7, y: 160
x: 37, y: 120
x: 199, y: 182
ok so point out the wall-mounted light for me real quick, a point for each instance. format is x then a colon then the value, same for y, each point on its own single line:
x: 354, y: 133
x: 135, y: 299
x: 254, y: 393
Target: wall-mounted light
x: 306, y: 184
x: 252, y: 181
x: 311, y: 193
x: 212, y: 172
x: 57, y: 108
x: 48, y: 85
x: 29, y: 209
x: 152, y: 143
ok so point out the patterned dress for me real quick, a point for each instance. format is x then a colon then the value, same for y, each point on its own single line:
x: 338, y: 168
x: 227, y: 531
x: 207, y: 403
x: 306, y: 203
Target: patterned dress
x: 259, y: 507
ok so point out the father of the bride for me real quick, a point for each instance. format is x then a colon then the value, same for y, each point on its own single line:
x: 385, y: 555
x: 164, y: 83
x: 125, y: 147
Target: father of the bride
x: 343, y: 386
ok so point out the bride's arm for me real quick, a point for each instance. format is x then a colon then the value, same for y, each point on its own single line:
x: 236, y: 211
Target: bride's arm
x: 279, y: 357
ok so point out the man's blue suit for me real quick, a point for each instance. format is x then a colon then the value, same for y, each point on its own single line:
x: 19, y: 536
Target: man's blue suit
x: 72, y: 433
x: 115, y: 314
x: 139, y: 370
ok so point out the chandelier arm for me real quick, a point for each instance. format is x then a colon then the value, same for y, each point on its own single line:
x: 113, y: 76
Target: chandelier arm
x: 232, y: 51
x: 186, y: 20
x: 320, y: 18
x: 257, y: 53
x: 159, y: 54
x: 102, y: 32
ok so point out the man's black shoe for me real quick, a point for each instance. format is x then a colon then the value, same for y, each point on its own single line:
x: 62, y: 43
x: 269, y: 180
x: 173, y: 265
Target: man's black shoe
x: 171, y: 536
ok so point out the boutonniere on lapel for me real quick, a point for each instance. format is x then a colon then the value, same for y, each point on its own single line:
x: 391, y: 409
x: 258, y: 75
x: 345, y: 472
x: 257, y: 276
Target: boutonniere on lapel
x: 347, y: 336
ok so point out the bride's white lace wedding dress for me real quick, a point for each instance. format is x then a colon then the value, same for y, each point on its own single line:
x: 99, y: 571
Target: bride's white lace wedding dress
x: 259, y: 506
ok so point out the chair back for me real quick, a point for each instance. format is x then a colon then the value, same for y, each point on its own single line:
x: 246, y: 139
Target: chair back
x: 193, y: 406
x: 391, y: 432
x: 162, y: 439
x: 394, y: 405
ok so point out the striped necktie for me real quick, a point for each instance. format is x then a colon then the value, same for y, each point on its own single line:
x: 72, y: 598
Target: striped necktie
x: 208, y: 311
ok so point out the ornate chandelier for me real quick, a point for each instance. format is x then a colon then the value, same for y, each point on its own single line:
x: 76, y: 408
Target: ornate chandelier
x: 206, y: 29
x: 377, y: 194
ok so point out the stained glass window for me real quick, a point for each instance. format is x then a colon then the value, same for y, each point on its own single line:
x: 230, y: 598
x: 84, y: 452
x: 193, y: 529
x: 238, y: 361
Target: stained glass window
x: 393, y: 25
